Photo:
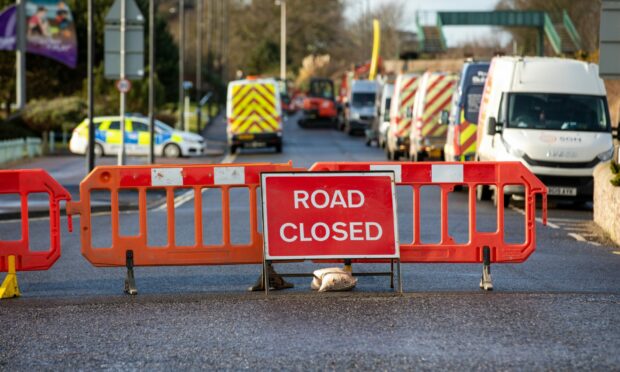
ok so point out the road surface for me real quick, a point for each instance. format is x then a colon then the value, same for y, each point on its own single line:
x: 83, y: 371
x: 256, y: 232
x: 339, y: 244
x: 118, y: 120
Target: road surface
x: 559, y: 310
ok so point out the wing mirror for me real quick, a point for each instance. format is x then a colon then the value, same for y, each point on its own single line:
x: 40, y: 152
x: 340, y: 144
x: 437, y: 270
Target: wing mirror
x: 493, y: 126
x: 445, y: 115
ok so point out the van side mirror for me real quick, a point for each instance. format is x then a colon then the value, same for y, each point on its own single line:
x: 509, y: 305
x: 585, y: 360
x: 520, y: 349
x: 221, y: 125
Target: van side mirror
x: 493, y: 127
x: 445, y: 115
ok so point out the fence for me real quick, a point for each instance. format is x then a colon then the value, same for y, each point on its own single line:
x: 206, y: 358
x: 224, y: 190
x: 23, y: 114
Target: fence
x: 16, y: 149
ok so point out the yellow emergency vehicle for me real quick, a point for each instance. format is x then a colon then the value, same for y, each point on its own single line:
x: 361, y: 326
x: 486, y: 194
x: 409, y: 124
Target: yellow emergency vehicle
x: 254, y: 114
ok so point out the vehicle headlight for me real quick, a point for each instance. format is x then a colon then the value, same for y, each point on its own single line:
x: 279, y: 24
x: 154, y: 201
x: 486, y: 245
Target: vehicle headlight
x: 607, y: 155
x: 355, y: 115
x: 514, y: 151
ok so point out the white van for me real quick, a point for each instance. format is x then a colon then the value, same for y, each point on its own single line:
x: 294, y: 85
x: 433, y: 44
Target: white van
x: 549, y: 113
x: 381, y: 123
x: 360, y: 106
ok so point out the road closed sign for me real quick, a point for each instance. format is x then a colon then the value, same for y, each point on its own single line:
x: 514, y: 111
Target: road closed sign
x: 329, y: 215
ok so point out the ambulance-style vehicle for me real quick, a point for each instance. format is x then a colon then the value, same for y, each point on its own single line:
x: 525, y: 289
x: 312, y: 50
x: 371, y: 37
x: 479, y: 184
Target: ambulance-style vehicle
x: 254, y: 114
x: 401, y: 115
x: 550, y: 114
x: 428, y: 135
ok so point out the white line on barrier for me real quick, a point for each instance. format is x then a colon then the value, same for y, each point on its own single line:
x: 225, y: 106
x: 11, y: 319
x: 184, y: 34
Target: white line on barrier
x: 189, y: 195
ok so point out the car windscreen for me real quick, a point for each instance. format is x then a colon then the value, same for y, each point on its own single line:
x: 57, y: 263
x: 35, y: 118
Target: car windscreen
x: 163, y: 127
x: 471, y: 105
x: 552, y: 111
x: 363, y: 100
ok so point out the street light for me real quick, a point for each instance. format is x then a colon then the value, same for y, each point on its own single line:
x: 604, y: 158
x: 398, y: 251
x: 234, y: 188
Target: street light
x: 181, y: 62
x: 282, y: 4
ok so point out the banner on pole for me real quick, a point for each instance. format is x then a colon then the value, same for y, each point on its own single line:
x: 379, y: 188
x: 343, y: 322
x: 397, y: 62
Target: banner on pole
x: 50, y: 30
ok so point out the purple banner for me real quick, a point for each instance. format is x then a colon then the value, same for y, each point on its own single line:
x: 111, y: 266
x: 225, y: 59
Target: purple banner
x: 7, y: 28
x: 50, y: 30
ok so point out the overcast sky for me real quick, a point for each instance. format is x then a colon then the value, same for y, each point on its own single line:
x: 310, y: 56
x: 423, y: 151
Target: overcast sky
x: 454, y: 34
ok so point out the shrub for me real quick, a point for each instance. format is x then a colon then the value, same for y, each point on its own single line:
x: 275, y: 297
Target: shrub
x: 54, y: 114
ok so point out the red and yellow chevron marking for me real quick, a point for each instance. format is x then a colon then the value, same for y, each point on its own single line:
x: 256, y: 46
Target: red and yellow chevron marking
x: 438, y: 98
x: 407, y: 96
x: 466, y: 142
x: 254, y: 109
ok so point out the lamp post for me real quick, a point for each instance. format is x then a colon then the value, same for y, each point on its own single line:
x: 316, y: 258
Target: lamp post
x: 282, y: 4
x: 181, y: 62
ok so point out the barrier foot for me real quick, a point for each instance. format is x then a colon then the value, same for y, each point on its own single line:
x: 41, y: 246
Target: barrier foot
x: 400, y: 277
x: 276, y: 282
x: 130, y: 280
x: 347, y: 266
x: 9, y: 287
x: 486, y: 283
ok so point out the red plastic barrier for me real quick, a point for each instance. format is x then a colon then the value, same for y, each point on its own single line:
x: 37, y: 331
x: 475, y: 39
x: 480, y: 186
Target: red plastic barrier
x: 446, y: 176
x: 23, y: 183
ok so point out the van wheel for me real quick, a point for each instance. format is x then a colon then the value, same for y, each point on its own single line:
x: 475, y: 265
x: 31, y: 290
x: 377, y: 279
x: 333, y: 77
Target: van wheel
x: 232, y: 149
x: 99, y: 151
x: 279, y: 148
x: 483, y: 192
x: 172, y: 151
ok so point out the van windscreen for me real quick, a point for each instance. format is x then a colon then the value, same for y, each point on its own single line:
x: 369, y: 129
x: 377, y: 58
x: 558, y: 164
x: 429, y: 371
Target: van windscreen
x: 363, y: 100
x: 552, y: 111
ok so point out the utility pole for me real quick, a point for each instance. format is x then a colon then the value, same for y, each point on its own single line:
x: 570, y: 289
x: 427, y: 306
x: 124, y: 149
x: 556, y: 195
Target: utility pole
x: 181, y: 63
x: 90, y: 156
x: 151, y: 81
x: 199, y: 23
x: 20, y: 56
x: 282, y: 39
x: 121, y: 153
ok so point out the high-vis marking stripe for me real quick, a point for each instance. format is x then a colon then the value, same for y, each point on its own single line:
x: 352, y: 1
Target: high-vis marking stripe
x: 438, y: 98
x: 254, y: 109
x: 407, y: 95
x: 166, y: 177
x: 452, y: 173
x: 229, y: 176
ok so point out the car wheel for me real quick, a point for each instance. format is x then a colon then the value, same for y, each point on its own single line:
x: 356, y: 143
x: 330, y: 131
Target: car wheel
x: 172, y: 151
x: 99, y: 153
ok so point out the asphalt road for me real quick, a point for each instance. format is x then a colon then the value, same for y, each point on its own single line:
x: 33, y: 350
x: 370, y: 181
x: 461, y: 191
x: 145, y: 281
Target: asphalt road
x: 559, y: 310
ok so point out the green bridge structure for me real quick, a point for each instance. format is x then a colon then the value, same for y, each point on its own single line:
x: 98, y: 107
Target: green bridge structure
x: 561, y: 33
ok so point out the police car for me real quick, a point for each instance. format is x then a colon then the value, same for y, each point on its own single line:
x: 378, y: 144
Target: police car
x: 168, y: 141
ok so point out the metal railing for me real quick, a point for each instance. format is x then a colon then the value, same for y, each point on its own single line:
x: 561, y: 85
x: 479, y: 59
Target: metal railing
x: 572, y: 31
x: 11, y: 150
x: 552, y: 34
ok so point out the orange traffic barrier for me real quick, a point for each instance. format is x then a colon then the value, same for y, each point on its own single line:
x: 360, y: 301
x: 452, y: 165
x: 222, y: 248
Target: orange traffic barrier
x: 19, y: 255
x: 482, y: 247
x: 134, y: 250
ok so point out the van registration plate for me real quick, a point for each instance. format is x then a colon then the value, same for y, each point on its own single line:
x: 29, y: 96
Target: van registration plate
x: 246, y: 137
x: 562, y: 191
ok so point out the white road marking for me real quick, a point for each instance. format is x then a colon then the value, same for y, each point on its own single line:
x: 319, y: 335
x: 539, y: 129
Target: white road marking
x: 577, y: 237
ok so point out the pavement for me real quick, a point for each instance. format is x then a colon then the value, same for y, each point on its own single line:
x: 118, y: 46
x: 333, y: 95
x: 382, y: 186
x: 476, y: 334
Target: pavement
x: 558, y: 310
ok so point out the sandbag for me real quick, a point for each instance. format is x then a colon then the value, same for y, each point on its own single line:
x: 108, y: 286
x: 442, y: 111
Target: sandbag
x: 333, y: 279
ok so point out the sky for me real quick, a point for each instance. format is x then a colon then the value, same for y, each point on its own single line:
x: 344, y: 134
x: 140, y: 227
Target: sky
x: 454, y: 34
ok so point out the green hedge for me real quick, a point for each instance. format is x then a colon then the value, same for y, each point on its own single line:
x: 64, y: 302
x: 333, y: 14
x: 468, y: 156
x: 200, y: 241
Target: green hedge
x: 54, y: 114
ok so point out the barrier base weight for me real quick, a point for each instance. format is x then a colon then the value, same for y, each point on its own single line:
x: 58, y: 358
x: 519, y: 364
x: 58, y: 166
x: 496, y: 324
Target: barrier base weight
x: 486, y: 283
x: 9, y: 288
x: 276, y: 282
x: 130, y: 280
